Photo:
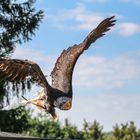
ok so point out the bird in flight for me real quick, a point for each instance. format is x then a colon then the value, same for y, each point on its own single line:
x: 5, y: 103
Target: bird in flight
x: 59, y: 93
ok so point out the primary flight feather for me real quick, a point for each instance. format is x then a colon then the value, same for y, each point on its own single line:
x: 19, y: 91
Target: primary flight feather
x: 59, y: 94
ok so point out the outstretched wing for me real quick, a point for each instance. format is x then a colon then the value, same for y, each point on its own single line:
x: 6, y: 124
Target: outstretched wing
x: 63, y: 70
x: 14, y: 70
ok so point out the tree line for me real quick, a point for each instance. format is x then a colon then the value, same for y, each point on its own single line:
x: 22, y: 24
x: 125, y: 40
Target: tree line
x: 22, y: 121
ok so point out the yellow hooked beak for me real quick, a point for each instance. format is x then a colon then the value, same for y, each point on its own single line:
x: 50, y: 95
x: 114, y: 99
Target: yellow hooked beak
x: 68, y: 105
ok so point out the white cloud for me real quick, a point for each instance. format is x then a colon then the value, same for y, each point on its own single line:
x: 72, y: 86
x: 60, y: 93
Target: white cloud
x: 128, y: 28
x: 108, y: 109
x: 92, y: 71
x: 104, y: 72
x: 88, y: 22
x: 80, y: 18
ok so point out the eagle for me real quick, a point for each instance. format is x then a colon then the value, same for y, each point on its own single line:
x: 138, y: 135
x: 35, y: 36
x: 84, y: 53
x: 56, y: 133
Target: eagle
x: 59, y: 93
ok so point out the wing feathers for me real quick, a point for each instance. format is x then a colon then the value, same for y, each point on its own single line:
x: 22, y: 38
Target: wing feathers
x: 20, y: 70
x: 63, y: 70
x: 100, y: 30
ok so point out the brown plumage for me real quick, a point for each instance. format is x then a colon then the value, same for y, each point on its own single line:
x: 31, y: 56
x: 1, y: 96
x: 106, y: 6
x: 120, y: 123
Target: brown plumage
x: 60, y: 93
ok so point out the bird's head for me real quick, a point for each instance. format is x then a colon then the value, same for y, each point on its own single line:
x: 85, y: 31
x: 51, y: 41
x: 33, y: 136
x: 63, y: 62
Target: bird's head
x: 63, y: 103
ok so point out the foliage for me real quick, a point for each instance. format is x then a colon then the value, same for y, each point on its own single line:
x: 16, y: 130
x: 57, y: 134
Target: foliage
x: 69, y: 131
x: 18, y: 22
x: 3, y: 93
x: 92, y: 131
x: 14, y: 120
x: 126, y: 131
x: 21, y: 121
x: 41, y: 126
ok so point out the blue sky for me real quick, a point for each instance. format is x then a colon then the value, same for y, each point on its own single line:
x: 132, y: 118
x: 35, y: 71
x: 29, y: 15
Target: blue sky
x: 107, y: 76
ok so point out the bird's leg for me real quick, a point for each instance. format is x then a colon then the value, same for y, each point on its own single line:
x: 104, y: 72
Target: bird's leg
x: 39, y: 101
x: 42, y: 103
x: 52, y: 112
x: 42, y: 100
x: 26, y: 101
x: 36, y: 101
x: 46, y: 103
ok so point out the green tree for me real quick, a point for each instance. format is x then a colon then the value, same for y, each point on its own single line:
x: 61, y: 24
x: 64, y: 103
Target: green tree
x: 22, y: 121
x: 18, y: 21
x: 69, y: 131
x: 92, y: 131
x: 14, y: 120
x: 42, y: 126
x: 126, y: 131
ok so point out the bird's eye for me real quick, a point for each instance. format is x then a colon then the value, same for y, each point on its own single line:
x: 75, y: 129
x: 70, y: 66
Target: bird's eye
x: 61, y: 104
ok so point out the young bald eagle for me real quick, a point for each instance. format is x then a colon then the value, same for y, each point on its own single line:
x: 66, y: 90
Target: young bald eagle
x: 59, y: 94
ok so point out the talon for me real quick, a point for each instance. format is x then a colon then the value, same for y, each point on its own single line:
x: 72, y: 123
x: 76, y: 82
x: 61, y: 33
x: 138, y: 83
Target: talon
x: 54, y: 115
